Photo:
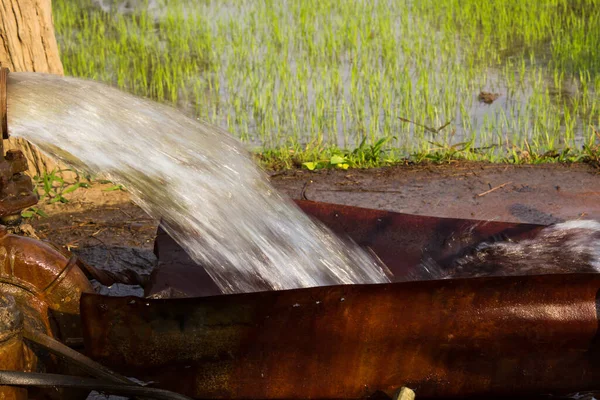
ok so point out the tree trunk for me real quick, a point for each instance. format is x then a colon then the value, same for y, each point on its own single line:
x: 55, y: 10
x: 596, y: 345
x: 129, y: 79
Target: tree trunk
x: 27, y: 43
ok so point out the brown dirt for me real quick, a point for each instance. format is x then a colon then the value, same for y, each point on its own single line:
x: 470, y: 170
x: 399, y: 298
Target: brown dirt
x: 104, y: 228
x: 96, y: 215
x: 541, y: 194
x: 107, y: 230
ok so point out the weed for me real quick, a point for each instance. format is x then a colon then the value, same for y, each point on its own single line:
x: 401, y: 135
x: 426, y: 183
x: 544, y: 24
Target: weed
x: 32, y: 212
x: 591, y: 150
x: 52, y: 187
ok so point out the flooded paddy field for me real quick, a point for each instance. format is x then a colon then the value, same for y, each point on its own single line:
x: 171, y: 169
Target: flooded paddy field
x: 481, y: 80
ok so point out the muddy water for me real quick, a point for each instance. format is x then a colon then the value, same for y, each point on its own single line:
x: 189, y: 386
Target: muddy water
x: 197, y: 178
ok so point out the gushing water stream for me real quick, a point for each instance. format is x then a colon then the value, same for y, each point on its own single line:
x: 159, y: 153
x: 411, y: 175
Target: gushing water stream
x: 212, y: 198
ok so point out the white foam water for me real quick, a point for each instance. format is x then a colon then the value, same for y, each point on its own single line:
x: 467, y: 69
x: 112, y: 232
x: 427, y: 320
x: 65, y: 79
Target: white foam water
x: 567, y: 247
x: 212, y: 198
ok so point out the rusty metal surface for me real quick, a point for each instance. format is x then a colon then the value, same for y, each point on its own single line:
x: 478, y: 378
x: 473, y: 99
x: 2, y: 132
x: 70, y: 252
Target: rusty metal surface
x: 46, y: 287
x: 3, y: 102
x: 176, y: 274
x: 12, y: 356
x: 16, y: 188
x: 34, y: 267
x: 509, y: 336
x: 402, y: 241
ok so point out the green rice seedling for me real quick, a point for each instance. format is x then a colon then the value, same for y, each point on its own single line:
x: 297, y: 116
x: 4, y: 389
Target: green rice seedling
x: 335, y: 72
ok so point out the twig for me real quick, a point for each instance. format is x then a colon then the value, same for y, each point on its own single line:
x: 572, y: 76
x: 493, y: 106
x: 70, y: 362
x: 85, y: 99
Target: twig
x: 427, y: 128
x: 363, y: 190
x: 303, y: 193
x: 493, y: 189
x: 72, y: 245
x: 98, y: 232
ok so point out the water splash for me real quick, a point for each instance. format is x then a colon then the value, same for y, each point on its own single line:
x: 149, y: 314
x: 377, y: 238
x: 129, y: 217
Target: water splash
x: 212, y: 198
x: 567, y: 247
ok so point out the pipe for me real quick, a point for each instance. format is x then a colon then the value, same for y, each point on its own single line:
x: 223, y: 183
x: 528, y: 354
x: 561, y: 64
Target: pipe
x: 3, y: 101
x: 11, y: 345
x: 39, y: 276
x: 16, y: 189
x: 46, y: 287
x: 71, y: 356
x: 53, y: 381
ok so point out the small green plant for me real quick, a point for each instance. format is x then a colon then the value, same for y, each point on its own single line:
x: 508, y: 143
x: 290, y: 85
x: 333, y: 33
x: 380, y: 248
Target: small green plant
x: 32, y: 212
x: 591, y: 150
x: 364, y: 156
x: 52, y: 187
x: 371, y: 154
x: 336, y: 161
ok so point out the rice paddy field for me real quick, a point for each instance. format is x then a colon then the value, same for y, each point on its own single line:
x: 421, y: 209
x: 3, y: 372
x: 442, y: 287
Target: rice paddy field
x: 357, y: 82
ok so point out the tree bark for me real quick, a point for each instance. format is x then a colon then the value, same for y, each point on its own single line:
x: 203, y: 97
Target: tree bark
x: 28, y: 43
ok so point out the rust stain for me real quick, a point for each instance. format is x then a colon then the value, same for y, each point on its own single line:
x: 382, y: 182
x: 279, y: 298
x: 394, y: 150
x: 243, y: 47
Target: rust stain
x: 474, y: 337
x: 46, y: 287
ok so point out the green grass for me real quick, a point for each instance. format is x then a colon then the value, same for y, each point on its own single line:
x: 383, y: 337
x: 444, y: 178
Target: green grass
x: 52, y: 186
x: 389, y: 81
x: 316, y: 158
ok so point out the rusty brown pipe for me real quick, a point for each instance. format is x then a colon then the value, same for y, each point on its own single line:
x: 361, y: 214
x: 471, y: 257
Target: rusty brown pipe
x: 11, y: 345
x: 509, y: 336
x: 44, y: 282
x: 46, y: 287
x: 3, y: 102
x: 16, y: 188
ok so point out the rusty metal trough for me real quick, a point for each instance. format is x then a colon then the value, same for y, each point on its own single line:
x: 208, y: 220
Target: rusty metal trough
x: 510, y: 336
x: 459, y: 338
x: 401, y: 241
